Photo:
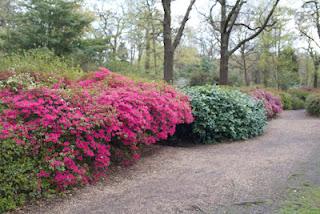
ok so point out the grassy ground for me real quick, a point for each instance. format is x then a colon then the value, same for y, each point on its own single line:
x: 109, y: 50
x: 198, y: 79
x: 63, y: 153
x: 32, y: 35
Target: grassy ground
x: 305, y: 200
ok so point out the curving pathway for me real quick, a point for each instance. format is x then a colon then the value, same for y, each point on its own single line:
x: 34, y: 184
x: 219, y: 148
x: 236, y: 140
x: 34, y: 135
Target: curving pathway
x: 241, y: 177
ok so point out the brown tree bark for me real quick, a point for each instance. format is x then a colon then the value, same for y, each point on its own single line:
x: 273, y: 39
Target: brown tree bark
x: 245, y: 67
x: 227, y: 21
x: 316, y: 70
x: 224, y: 61
x: 170, y: 43
x: 148, y: 51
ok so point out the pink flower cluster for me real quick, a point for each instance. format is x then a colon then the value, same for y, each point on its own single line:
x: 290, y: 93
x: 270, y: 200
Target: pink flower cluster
x: 271, y: 102
x: 76, y: 131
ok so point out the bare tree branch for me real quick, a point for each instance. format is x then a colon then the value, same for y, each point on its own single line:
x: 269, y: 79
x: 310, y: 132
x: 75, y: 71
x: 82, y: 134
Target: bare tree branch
x: 183, y: 24
x: 264, y: 25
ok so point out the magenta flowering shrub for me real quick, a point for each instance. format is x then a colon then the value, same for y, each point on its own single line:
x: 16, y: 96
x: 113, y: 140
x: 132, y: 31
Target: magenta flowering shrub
x: 271, y: 102
x: 70, y: 140
x: 75, y: 129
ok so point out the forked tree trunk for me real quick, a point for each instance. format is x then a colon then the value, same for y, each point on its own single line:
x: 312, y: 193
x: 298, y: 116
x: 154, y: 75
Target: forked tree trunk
x: 171, y: 44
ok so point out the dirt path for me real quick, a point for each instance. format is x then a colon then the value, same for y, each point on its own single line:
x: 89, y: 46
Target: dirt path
x: 241, y: 177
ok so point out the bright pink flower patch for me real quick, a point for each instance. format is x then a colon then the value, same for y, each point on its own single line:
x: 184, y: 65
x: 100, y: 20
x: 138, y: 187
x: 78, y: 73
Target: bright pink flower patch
x: 107, y: 116
x: 272, y: 103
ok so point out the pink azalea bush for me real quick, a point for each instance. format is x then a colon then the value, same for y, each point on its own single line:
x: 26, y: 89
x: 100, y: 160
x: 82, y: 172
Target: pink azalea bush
x: 76, y: 128
x: 271, y: 102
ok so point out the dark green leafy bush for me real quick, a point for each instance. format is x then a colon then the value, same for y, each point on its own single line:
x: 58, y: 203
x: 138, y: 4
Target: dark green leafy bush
x: 17, y: 179
x: 223, y: 114
x: 313, y: 105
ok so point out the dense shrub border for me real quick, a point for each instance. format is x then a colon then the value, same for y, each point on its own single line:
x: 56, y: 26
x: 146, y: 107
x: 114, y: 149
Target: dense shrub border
x: 222, y: 114
x: 72, y: 129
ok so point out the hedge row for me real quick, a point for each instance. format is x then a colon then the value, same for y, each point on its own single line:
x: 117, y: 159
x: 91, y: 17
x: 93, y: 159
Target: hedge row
x: 60, y: 134
x: 66, y: 135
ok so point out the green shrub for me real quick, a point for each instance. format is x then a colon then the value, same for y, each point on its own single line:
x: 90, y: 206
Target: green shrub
x: 297, y: 103
x: 223, y: 114
x: 300, y: 93
x: 313, y: 105
x: 41, y: 61
x: 201, y: 78
x: 17, y: 180
x: 286, y: 100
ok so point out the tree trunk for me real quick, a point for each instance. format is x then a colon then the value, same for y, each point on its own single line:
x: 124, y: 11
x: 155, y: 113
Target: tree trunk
x: 224, y: 69
x: 315, y: 76
x: 170, y: 44
x: 154, y: 49
x: 148, y: 50
x: 244, y: 63
x: 167, y: 40
x: 246, y: 75
x: 224, y: 52
x: 224, y: 60
x: 168, y: 65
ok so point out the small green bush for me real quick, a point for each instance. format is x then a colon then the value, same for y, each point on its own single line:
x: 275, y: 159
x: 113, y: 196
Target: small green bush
x: 300, y: 93
x: 313, y: 105
x: 286, y: 100
x: 297, y: 103
x: 223, y: 114
x: 17, y: 179
x: 41, y: 61
x: 201, y: 78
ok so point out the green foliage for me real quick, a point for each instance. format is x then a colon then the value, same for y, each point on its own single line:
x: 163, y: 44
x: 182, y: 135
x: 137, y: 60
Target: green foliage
x: 56, y: 24
x: 17, y: 180
x: 313, y: 105
x: 286, y: 100
x: 297, y: 103
x: 300, y: 93
x: 292, y: 101
x: 288, y: 74
x: 201, y: 78
x: 133, y: 71
x: 41, y: 61
x: 198, y: 73
x: 223, y: 114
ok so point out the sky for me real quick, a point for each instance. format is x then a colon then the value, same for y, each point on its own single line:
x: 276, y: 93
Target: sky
x: 179, y: 8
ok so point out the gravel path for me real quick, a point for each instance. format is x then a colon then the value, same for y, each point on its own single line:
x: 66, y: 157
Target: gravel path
x: 241, y: 177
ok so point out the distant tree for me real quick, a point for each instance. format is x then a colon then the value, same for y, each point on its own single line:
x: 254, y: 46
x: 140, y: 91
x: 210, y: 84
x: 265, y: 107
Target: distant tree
x: 288, y: 74
x: 308, y: 21
x: 111, y: 27
x: 225, y: 25
x: 57, y: 25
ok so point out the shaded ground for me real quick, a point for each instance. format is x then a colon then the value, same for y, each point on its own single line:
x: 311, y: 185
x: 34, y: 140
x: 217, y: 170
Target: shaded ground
x: 243, y: 177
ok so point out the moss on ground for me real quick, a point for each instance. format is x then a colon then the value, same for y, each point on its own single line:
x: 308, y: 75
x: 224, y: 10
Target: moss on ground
x: 302, y: 201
